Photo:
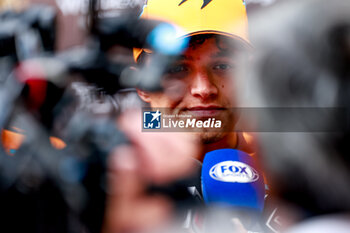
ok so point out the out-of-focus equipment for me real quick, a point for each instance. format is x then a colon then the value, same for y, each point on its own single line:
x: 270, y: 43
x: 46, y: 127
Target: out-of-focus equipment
x: 232, y: 181
x: 127, y: 32
x: 51, y: 184
x: 29, y: 33
x: 45, y: 187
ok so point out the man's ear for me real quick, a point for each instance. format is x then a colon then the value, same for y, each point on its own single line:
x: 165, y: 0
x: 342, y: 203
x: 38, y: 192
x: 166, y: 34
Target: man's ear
x: 144, y: 95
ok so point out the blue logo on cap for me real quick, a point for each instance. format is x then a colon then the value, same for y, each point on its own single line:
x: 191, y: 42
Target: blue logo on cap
x: 151, y: 120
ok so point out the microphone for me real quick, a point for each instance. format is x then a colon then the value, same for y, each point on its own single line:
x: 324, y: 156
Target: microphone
x: 231, y: 182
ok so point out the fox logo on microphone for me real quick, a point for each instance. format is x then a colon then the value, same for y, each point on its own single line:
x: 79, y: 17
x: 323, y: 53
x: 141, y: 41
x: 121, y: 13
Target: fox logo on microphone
x: 232, y: 177
x: 233, y: 171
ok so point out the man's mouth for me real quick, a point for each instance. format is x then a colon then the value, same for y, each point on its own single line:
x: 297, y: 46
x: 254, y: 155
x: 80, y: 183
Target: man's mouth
x: 205, y: 111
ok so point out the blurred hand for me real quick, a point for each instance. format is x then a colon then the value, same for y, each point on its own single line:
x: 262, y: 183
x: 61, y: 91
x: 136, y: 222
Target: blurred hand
x: 151, y: 158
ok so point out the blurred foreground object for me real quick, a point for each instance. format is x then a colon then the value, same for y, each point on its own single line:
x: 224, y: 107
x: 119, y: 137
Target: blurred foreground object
x: 302, y: 61
x: 152, y: 159
x: 60, y: 185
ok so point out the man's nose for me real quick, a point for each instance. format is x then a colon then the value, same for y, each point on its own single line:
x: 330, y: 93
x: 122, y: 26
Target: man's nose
x: 203, y: 86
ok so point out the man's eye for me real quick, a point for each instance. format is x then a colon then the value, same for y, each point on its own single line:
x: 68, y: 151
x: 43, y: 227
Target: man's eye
x: 223, y: 67
x: 176, y: 69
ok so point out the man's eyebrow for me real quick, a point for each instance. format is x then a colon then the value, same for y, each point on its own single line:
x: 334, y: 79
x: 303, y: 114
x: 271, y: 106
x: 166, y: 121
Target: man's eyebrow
x: 183, y: 57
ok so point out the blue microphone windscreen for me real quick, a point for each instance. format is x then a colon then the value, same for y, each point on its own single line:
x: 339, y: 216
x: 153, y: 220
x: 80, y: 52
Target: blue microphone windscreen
x: 231, y: 177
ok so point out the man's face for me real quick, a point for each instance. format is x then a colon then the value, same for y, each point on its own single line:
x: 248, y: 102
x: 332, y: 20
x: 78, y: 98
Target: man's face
x: 199, y: 83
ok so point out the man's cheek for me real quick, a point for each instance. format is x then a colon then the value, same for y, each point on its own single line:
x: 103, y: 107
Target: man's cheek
x: 231, y: 98
x: 175, y: 90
